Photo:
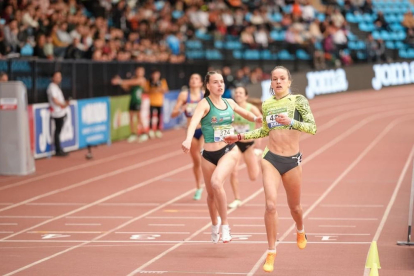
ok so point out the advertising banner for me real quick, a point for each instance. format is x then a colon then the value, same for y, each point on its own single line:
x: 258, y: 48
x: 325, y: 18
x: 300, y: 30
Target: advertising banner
x: 93, y: 121
x: 44, y: 128
x: 352, y: 78
x: 119, y: 119
x: 170, y: 100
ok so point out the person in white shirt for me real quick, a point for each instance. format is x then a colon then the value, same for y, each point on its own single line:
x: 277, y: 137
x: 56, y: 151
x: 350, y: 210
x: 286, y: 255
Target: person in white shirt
x: 57, y: 109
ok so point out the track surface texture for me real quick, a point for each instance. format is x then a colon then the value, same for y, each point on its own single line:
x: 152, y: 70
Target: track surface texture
x: 129, y: 210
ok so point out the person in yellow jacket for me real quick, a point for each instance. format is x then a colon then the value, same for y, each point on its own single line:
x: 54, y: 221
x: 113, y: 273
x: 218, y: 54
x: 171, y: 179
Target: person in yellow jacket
x: 156, y: 88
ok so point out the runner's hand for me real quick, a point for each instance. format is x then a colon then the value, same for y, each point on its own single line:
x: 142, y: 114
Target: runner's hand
x: 186, y: 145
x: 283, y: 119
x: 259, y: 120
x: 230, y: 139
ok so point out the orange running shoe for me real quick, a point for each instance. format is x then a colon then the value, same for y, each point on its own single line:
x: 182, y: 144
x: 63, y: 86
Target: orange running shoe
x: 270, y: 260
x: 301, y: 240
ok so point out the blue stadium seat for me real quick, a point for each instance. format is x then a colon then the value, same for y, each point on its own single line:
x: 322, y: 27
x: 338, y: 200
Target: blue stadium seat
x: 366, y: 27
x: 218, y: 44
x: 237, y: 54
x: 202, y: 35
x: 193, y: 44
x: 390, y: 45
x: 401, y: 35
x: 396, y: 27
x: 233, y: 45
x: 384, y: 35
x: 321, y: 16
x: 248, y: 16
x: 276, y: 17
x: 301, y: 54
x: 376, y: 35
x: 177, y: 14
x: 266, y: 54
x: 213, y: 54
x: 361, y: 55
x: 285, y: 55
x: 400, y: 45
x: 195, y: 54
x: 351, y: 36
x: 350, y: 17
x: 252, y: 54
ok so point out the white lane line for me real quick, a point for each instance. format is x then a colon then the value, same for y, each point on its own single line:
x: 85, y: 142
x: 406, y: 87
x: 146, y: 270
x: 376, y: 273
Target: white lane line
x: 96, y: 178
x: 8, y: 223
x: 367, y: 219
x: 81, y: 204
x: 316, y: 153
x: 238, y: 233
x: 171, y: 241
x: 98, y: 217
x: 27, y: 217
x: 83, y: 224
x: 248, y: 225
x: 54, y: 204
x: 337, y: 180
x: 263, y: 205
x: 153, y: 232
x: 121, y: 192
x: 166, y: 224
x: 179, y: 272
x: 189, y: 204
x: 129, y: 204
x: 391, y: 202
x: 333, y: 234
x: 89, y: 164
x: 339, y: 226
x: 351, y: 206
x: 232, y: 218
x: 112, y: 230
x: 64, y: 232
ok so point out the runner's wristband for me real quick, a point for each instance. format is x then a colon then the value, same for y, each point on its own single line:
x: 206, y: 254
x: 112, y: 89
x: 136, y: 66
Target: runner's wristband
x: 239, y: 136
x: 291, y: 122
x: 254, y: 118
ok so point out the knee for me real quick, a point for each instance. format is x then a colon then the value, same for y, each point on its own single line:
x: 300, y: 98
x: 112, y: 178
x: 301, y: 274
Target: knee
x: 270, y: 208
x: 297, y: 209
x: 216, y: 184
x: 210, y: 196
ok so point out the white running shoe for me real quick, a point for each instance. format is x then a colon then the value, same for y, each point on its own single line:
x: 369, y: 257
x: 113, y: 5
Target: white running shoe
x: 158, y: 134
x: 236, y: 203
x: 151, y: 134
x: 215, y: 231
x: 225, y: 233
x: 143, y: 138
x: 132, y: 138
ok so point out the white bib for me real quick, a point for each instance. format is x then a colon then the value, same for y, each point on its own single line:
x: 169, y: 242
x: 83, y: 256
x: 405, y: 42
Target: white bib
x: 241, y: 128
x: 190, y: 108
x: 271, y: 120
x: 222, y: 131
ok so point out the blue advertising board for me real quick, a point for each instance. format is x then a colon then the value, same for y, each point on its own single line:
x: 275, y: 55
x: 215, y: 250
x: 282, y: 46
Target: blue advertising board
x: 44, y: 127
x: 170, y: 99
x: 93, y: 121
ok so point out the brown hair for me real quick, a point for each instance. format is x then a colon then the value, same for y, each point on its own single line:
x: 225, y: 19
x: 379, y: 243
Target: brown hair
x: 246, y: 93
x: 283, y: 68
x: 206, y: 80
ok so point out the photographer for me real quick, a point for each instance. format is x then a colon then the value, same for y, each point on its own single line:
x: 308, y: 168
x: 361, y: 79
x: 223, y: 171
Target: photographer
x: 157, y: 87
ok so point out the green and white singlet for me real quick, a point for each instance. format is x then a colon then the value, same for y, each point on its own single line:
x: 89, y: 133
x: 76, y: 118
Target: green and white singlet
x: 294, y: 106
x: 217, y: 123
x: 136, y: 94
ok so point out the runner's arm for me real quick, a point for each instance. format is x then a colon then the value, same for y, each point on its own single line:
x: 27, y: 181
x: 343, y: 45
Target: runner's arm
x: 178, y: 108
x: 308, y: 125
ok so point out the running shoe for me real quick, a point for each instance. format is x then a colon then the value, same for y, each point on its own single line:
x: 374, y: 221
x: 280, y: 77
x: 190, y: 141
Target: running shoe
x: 132, y: 138
x: 197, y: 195
x: 151, y: 134
x: 270, y: 260
x: 143, y: 138
x: 158, y: 134
x: 301, y: 240
x: 225, y: 232
x: 236, y: 203
x: 215, y: 231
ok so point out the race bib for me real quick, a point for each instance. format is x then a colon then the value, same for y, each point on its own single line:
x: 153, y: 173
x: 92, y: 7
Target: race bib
x: 271, y: 120
x: 241, y: 128
x: 190, y: 108
x: 222, y: 131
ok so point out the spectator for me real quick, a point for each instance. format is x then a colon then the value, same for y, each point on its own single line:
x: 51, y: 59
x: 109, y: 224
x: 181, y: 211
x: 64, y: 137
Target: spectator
x: 57, y: 110
x: 4, y: 77
x: 48, y: 48
x: 11, y: 40
x: 372, y: 48
x: 308, y: 12
x: 408, y: 20
x: 381, y: 23
x: 409, y: 39
x: 261, y: 36
x: 157, y: 87
x: 38, y: 50
x: 228, y: 82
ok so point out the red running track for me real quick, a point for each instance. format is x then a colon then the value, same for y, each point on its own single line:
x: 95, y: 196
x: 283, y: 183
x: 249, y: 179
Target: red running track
x: 130, y: 211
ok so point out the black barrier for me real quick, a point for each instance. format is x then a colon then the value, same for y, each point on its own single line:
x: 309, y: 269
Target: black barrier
x: 87, y: 79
